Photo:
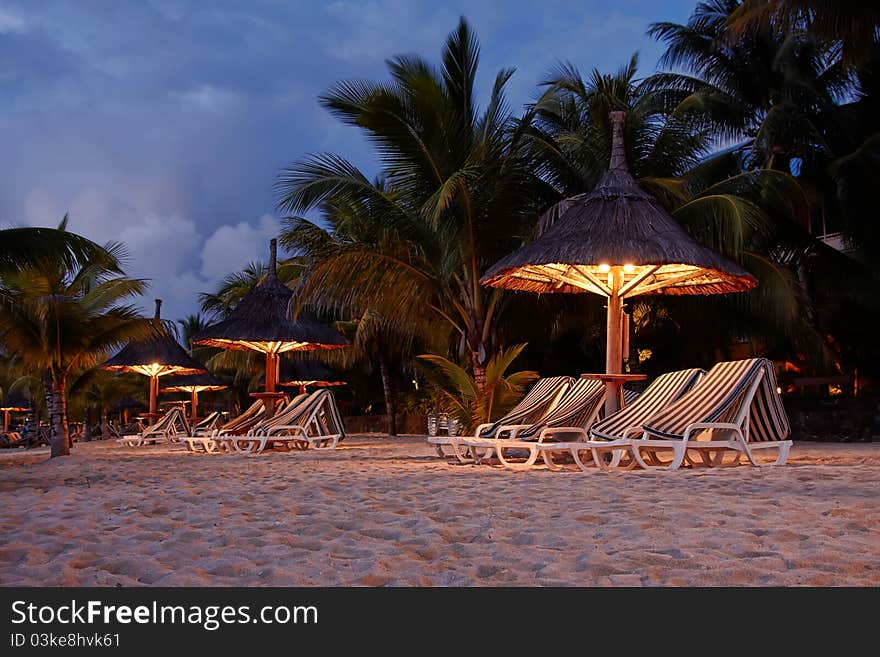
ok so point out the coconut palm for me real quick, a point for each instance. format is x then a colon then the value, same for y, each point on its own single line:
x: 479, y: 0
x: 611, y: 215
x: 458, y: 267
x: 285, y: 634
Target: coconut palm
x: 850, y: 27
x: 57, y: 320
x: 455, y: 195
x: 30, y: 246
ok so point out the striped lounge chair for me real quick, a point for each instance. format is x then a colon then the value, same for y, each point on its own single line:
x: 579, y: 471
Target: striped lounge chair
x: 171, y: 428
x: 211, y: 421
x: 612, y: 434
x: 540, y: 399
x: 735, y: 407
x: 311, y: 420
x: 210, y: 442
x: 576, y: 411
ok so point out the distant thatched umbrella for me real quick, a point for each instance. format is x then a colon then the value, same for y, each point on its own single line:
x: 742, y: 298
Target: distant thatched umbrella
x: 12, y: 404
x: 310, y: 372
x: 194, y: 384
x: 617, y: 241
x: 158, y: 356
x: 262, y: 322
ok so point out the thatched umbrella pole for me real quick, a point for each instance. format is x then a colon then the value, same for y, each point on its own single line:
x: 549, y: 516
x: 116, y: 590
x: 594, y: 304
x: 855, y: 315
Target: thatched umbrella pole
x: 194, y: 384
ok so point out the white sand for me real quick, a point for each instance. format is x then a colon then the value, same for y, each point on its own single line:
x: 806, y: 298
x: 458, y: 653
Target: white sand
x: 387, y: 511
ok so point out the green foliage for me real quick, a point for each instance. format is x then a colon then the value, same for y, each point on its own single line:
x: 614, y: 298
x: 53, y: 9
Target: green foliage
x: 461, y: 397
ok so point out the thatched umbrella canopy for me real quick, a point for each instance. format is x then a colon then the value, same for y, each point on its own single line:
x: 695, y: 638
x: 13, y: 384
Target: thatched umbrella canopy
x: 617, y: 241
x: 194, y: 384
x: 157, y: 356
x: 12, y: 404
x: 262, y: 322
x: 310, y: 372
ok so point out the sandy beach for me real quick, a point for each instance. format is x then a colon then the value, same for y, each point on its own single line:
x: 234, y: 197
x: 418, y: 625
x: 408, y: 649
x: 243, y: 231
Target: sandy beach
x: 380, y: 511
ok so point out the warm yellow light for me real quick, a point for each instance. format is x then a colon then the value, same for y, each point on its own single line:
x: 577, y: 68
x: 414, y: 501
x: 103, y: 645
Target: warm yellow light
x: 604, y: 268
x: 629, y: 269
x: 778, y: 390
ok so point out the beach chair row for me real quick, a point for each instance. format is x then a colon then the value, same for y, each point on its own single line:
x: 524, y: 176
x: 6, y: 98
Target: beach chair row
x: 307, y: 421
x: 688, y: 417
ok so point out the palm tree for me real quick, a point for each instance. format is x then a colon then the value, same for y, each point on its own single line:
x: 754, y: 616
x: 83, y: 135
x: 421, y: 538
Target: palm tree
x: 57, y: 320
x: 849, y: 27
x: 28, y: 247
x: 455, y: 194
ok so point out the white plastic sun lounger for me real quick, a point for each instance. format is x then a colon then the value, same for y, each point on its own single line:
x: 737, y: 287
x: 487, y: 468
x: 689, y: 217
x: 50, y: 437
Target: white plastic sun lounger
x: 209, y: 441
x: 611, y: 435
x: 734, y: 408
x: 540, y: 399
x: 575, y: 412
x: 313, y: 421
x: 171, y: 428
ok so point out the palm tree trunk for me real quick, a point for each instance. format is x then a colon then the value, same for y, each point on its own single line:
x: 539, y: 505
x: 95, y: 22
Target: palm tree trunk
x: 87, y: 425
x: 56, y: 403
x: 479, y: 373
x: 390, y: 396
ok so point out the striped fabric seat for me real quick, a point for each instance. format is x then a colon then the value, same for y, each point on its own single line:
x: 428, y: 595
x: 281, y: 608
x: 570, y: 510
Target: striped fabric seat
x: 629, y: 396
x: 207, y: 423
x: 311, y: 420
x: 286, y: 415
x: 719, y: 398
x: 664, y: 390
x: 539, y: 400
x: 577, y: 407
x: 246, y: 421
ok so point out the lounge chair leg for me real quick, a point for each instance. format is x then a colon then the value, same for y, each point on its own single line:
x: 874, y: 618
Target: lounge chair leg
x: 576, y: 455
x: 547, y: 456
x: 679, y: 450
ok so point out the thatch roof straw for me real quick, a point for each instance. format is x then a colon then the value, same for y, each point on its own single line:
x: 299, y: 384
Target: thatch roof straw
x: 262, y: 321
x: 193, y: 383
x: 157, y: 356
x: 617, y: 224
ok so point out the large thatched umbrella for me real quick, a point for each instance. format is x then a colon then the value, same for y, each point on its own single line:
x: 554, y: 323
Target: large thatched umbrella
x: 157, y: 356
x: 12, y: 404
x: 262, y: 322
x: 309, y: 372
x: 617, y: 241
x: 194, y: 384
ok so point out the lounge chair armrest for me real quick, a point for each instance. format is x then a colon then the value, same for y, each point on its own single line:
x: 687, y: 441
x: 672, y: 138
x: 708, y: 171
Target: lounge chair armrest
x: 480, y: 428
x: 549, y: 431
x: 512, y: 428
x: 701, y: 426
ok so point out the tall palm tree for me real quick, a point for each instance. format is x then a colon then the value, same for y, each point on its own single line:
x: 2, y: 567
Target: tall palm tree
x: 57, y: 320
x: 455, y: 197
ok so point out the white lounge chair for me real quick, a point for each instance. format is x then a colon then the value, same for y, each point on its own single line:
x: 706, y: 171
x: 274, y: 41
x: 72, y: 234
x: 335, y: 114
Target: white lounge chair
x: 734, y: 408
x: 612, y: 434
x: 575, y: 412
x: 208, y: 441
x: 171, y: 428
x: 310, y: 421
x: 540, y: 399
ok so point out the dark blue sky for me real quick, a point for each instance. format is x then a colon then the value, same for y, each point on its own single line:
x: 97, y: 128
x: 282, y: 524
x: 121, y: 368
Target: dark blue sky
x: 162, y: 123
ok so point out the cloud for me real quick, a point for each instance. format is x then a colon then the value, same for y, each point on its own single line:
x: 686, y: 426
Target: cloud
x: 231, y: 247
x: 9, y: 22
x: 208, y: 98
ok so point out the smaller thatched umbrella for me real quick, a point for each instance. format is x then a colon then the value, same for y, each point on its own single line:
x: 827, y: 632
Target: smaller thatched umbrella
x: 619, y: 242
x: 158, y: 356
x: 262, y: 322
x: 12, y: 404
x: 194, y: 384
x: 309, y: 372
